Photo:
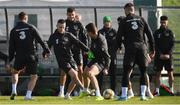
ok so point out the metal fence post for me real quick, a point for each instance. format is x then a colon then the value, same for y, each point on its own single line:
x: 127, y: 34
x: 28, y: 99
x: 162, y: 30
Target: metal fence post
x: 95, y: 16
x: 51, y: 19
x: 7, y: 25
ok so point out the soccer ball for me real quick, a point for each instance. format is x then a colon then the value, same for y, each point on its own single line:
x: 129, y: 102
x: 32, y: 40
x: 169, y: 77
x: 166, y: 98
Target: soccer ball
x: 108, y: 94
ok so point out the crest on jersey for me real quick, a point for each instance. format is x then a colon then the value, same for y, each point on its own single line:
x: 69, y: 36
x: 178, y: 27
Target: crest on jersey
x: 66, y: 39
x: 67, y: 28
x: 166, y: 34
x: 159, y: 35
x: 57, y: 41
x: 110, y: 34
x: 75, y: 27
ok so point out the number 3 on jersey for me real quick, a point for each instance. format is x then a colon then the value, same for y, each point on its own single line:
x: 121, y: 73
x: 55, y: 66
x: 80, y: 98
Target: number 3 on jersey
x: 134, y: 25
x: 22, y: 35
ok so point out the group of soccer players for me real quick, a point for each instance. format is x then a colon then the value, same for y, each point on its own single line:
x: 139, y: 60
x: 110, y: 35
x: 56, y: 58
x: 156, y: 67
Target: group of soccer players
x: 82, y: 55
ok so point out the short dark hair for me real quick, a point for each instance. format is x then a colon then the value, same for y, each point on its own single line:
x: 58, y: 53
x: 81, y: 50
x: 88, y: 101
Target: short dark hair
x: 21, y: 15
x: 128, y: 5
x: 91, y: 27
x: 163, y: 18
x: 70, y: 10
x: 61, y: 21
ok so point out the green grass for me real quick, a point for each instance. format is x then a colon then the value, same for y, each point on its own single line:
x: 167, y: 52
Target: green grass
x: 171, y: 2
x: 89, y: 100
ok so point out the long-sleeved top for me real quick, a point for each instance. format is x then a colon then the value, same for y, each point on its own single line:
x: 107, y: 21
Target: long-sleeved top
x: 132, y: 31
x: 164, y: 41
x: 110, y: 35
x: 22, y: 40
x: 3, y: 56
x: 62, y: 44
x: 77, y: 29
x: 100, y: 50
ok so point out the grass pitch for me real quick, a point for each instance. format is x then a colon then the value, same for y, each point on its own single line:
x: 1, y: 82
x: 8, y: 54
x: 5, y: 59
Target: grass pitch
x: 50, y: 100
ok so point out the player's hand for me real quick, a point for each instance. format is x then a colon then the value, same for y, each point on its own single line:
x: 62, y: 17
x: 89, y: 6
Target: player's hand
x: 149, y: 58
x: 119, y: 51
x: 105, y: 72
x: 152, y: 54
x: 164, y: 56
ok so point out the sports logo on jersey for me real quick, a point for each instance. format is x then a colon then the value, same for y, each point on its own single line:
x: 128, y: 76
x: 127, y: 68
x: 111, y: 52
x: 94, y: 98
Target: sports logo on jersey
x: 66, y: 39
x: 159, y: 35
x: 166, y: 34
x: 75, y: 27
x: 57, y: 41
x: 110, y: 34
x: 22, y: 35
x: 67, y: 28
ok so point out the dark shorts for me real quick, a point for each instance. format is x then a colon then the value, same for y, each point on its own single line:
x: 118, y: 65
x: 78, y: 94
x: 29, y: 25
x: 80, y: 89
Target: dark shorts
x: 99, y: 65
x: 137, y: 56
x: 29, y: 62
x: 78, y: 58
x: 66, y: 66
x: 159, y: 64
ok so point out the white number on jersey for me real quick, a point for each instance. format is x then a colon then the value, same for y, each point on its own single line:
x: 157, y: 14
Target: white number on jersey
x: 22, y: 35
x: 134, y: 25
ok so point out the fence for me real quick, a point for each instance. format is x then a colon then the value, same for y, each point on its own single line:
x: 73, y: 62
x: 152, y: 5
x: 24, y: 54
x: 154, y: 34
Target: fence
x: 45, y: 18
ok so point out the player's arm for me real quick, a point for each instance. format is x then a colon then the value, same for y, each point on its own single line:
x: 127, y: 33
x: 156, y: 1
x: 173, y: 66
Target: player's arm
x: 120, y: 33
x: 50, y: 41
x: 36, y: 34
x: 172, y: 38
x: 78, y: 43
x: 105, y: 54
x: 157, y: 49
x: 82, y: 34
x: 12, y: 48
x: 150, y: 37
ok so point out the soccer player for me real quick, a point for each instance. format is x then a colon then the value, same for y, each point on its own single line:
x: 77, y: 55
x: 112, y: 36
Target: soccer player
x: 110, y: 35
x: 164, y: 44
x: 131, y: 33
x: 22, y: 48
x: 78, y: 17
x: 62, y: 43
x: 77, y: 29
x: 100, y: 62
x: 130, y: 92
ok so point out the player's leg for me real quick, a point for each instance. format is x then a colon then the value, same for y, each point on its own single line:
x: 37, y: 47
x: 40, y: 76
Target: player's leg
x: 86, y: 79
x: 130, y: 93
x: 148, y: 90
x: 171, y: 80
x: 158, y: 66
x: 74, y: 81
x: 18, y: 67
x: 113, y: 74
x: 14, y: 79
x: 169, y: 68
x: 62, y: 81
x: 32, y: 70
x: 80, y: 74
x: 125, y: 82
x: 31, y: 85
x: 92, y: 73
x: 143, y: 82
x: 128, y: 63
x: 143, y: 62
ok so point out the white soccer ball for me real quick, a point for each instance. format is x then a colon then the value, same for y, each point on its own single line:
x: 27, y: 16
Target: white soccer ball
x: 108, y: 94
